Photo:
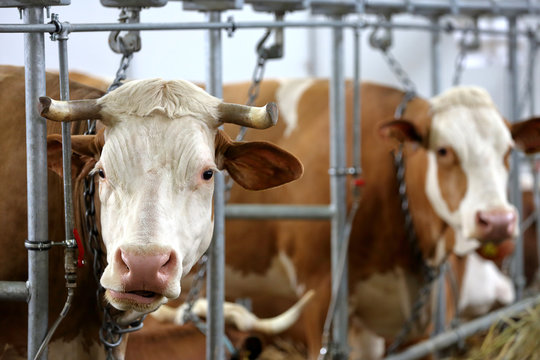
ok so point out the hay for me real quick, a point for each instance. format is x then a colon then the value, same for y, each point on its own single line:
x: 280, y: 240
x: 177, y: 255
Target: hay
x: 516, y: 338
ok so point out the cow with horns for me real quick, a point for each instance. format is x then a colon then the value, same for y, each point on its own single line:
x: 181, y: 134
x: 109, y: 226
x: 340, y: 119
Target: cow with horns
x: 456, y: 150
x: 154, y: 162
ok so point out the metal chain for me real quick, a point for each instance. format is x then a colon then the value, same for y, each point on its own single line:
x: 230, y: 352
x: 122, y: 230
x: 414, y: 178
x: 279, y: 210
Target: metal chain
x: 429, y: 273
x: 195, y: 290
x: 464, y: 48
x: 110, y: 333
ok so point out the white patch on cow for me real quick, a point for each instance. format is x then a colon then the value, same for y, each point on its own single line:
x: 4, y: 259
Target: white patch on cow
x: 153, y: 198
x: 466, y: 120
x: 483, y: 286
x: 393, y: 293
x: 281, y: 271
x: 288, y: 96
x: 365, y: 345
x: 75, y: 349
x: 440, y: 253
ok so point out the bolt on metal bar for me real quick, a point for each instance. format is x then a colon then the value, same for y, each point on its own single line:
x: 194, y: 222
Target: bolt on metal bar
x: 462, y: 332
x: 216, y: 253
x: 36, y: 155
x: 515, y: 189
x: 14, y: 291
x: 338, y: 187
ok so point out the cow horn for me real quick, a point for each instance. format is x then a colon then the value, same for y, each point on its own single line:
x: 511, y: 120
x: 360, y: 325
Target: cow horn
x: 238, y: 315
x: 249, y: 116
x: 67, y: 111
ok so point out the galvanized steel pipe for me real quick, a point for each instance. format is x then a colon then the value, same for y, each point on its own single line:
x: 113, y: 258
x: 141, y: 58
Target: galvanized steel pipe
x: 36, y: 167
x: 464, y: 331
x: 14, y: 291
x: 215, y: 288
x: 263, y: 211
x: 338, y: 186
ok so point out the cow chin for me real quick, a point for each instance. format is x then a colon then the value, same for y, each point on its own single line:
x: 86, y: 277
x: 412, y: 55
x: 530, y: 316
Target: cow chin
x: 131, y: 301
x: 464, y: 245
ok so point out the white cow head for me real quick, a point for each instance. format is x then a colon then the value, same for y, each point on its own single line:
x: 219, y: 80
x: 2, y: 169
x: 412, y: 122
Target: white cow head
x: 468, y: 145
x: 161, y: 149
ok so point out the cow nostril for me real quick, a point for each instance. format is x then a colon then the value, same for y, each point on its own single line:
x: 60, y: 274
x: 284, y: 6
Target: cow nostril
x: 124, y: 260
x: 481, y: 220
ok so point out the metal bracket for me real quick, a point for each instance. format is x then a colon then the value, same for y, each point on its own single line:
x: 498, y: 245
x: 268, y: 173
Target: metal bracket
x: 278, y: 5
x: 33, y: 3
x: 133, y: 3
x: 213, y: 5
x: 333, y: 8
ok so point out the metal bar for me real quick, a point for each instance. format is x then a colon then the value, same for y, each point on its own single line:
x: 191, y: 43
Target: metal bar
x: 439, y: 313
x: 337, y: 190
x: 435, y: 59
x: 29, y: 3
x: 21, y: 28
x: 36, y: 163
x: 462, y: 332
x: 13, y: 291
x: 215, y: 287
x: 357, y: 114
x: 515, y: 190
x: 66, y: 137
x: 260, y: 211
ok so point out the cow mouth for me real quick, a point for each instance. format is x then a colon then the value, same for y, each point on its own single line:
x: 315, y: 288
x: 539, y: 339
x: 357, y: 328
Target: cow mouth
x: 136, y: 299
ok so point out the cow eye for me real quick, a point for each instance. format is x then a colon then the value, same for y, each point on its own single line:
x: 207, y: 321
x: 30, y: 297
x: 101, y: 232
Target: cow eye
x: 101, y: 173
x: 442, y: 151
x: 207, y: 175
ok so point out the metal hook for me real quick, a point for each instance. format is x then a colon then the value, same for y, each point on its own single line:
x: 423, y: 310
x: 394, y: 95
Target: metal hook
x: 131, y: 41
x: 274, y: 51
x: 474, y: 43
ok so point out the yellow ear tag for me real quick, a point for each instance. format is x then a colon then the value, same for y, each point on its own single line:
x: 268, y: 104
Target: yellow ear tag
x: 489, y: 250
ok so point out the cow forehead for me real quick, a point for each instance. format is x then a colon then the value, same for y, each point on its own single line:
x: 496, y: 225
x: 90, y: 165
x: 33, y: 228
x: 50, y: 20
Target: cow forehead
x: 154, y: 145
x: 467, y: 120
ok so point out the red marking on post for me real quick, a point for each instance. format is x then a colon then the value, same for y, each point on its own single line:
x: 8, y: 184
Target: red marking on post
x: 80, y: 257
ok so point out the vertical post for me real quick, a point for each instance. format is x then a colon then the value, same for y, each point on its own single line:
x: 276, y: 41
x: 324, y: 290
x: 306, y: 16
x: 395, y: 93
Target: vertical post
x: 36, y: 167
x: 338, y: 187
x: 357, y: 111
x: 66, y: 135
x: 435, y: 50
x: 515, y: 191
x: 215, y: 288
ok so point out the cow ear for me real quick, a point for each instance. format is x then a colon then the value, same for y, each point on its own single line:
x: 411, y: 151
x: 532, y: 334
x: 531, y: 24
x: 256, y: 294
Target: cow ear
x: 86, y: 151
x: 526, y: 135
x: 256, y: 165
x: 402, y: 131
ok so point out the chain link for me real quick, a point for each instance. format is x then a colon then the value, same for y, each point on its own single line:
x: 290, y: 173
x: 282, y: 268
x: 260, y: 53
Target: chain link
x: 429, y: 273
x: 465, y: 46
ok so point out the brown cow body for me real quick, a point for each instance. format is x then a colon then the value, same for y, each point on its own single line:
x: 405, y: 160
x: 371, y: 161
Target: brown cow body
x: 286, y: 258
x: 80, y: 330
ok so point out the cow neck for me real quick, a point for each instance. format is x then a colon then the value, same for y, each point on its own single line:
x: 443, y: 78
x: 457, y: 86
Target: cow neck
x: 429, y: 273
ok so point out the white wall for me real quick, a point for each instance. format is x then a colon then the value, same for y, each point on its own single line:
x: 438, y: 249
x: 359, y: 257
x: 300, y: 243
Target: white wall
x: 182, y: 54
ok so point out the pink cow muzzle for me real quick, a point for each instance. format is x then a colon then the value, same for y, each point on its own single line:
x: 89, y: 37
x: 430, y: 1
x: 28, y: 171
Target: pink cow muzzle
x: 144, y: 277
x: 495, y: 226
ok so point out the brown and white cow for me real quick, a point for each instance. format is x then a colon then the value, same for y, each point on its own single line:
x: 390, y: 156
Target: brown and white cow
x: 154, y: 163
x: 456, y: 148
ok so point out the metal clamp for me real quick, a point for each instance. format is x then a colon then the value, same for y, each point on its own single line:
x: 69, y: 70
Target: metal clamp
x: 37, y: 245
x: 342, y: 171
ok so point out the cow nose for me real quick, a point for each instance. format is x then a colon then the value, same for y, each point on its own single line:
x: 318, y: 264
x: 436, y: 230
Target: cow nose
x: 150, y: 272
x: 495, y: 225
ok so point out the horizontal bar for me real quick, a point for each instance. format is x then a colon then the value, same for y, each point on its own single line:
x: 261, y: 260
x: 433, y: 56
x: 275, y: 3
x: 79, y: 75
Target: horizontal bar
x: 448, y: 27
x: 470, y: 328
x: 256, y: 211
x: 14, y: 291
x: 33, y: 3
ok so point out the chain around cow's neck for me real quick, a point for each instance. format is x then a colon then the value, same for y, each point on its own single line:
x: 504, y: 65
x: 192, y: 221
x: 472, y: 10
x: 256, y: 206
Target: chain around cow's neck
x: 429, y: 273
